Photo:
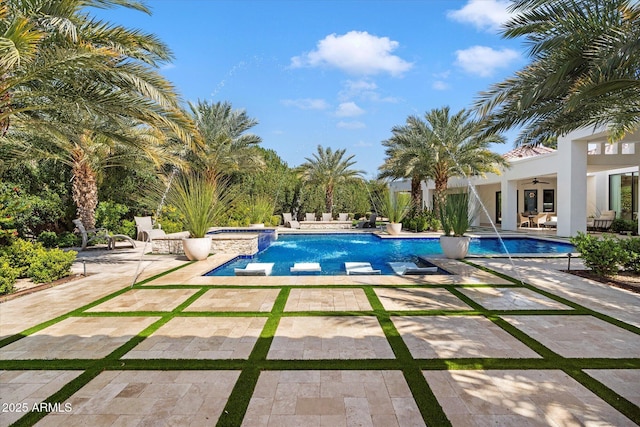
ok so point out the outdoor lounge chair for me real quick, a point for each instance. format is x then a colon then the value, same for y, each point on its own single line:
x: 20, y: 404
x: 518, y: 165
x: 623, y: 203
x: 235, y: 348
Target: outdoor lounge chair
x: 369, y: 224
x: 144, y: 224
x: 354, y: 268
x: 602, y: 222
x: 100, y: 233
x: 343, y: 217
x: 306, y: 267
x: 552, y: 222
x: 255, y: 269
x: 410, y: 268
x: 288, y: 221
x: 327, y: 216
x: 310, y: 216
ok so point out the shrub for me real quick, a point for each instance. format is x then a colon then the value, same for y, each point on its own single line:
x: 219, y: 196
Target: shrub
x: 49, y: 239
x: 632, y: 247
x: 171, y: 220
x: 20, y: 255
x: 620, y: 225
x: 67, y: 240
x: 111, y: 215
x: 51, y: 264
x: 604, y: 256
x: 8, y: 276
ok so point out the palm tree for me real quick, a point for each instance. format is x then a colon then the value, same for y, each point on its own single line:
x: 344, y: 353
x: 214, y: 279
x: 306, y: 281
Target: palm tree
x: 406, y: 159
x: 74, y: 80
x: 447, y: 146
x: 226, y: 147
x: 584, y: 70
x: 328, y: 169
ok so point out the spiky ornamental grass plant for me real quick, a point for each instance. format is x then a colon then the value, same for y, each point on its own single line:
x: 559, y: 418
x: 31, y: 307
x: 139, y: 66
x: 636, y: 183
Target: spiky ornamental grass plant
x: 201, y: 200
x: 395, y: 206
x: 260, y: 209
x: 457, y: 215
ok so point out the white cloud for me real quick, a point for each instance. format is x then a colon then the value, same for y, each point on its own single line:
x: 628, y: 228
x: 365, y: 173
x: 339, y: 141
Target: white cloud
x: 483, y: 60
x: 483, y: 14
x: 349, y: 109
x: 356, y: 52
x: 362, y: 143
x: 306, y: 103
x: 440, y: 85
x: 350, y: 125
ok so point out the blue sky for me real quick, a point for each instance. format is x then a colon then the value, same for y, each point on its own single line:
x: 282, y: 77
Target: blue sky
x: 336, y: 73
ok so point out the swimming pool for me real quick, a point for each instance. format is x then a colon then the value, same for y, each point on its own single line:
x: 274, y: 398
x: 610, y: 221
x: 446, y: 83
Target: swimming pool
x: 333, y: 250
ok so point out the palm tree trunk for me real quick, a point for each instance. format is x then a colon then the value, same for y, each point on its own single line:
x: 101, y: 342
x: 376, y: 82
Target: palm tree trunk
x: 441, y: 179
x: 84, y: 188
x: 328, y: 200
x: 416, y: 192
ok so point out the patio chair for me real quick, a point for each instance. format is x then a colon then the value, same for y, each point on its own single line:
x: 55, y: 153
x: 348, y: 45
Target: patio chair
x: 343, y: 217
x: 100, y: 233
x: 255, y: 269
x: 326, y: 216
x: 288, y: 221
x: 144, y: 224
x: 523, y: 219
x: 354, y: 268
x: 539, y: 220
x: 310, y: 216
x: 371, y: 223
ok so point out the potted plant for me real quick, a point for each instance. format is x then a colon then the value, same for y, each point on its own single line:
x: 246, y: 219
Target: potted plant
x: 260, y: 211
x: 456, y: 217
x: 395, y: 206
x: 201, y: 201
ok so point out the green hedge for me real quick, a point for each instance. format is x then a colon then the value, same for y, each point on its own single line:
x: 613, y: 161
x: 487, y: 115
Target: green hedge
x: 27, y: 259
x: 607, y: 255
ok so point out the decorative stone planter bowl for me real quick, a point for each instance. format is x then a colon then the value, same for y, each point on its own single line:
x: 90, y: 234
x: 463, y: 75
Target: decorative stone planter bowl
x: 197, y: 249
x: 455, y: 247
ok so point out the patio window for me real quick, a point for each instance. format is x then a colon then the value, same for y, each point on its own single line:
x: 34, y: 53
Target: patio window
x: 548, y: 200
x: 531, y: 201
x: 623, y: 194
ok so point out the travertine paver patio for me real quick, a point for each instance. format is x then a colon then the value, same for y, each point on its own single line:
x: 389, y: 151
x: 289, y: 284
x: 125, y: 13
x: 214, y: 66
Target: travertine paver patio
x: 519, y: 398
x: 622, y: 381
x: 235, y: 300
x: 332, y: 398
x: 458, y: 336
x: 146, y: 300
x: 512, y: 299
x: 77, y: 338
x: 327, y: 300
x: 579, y: 336
x: 201, y: 338
x: 23, y: 389
x: 340, y: 363
x: 419, y: 299
x: 324, y: 337
x: 131, y: 398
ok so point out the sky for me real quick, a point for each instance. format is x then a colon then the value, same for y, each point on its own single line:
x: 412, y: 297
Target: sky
x: 335, y: 73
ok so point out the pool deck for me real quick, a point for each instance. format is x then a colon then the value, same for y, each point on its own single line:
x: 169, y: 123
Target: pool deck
x: 534, y: 346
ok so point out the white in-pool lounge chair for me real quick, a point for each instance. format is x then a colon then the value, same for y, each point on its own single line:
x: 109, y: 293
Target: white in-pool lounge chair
x: 255, y: 269
x: 407, y: 268
x: 359, y: 268
x: 306, y: 267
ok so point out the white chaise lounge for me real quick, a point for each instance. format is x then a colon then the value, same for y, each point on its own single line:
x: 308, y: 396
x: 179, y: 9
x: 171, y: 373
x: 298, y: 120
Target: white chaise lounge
x: 410, y: 268
x: 255, y: 269
x: 354, y: 268
x: 306, y: 267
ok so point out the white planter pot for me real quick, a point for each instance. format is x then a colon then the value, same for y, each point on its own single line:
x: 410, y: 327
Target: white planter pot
x: 197, y: 249
x: 394, y: 228
x: 258, y: 225
x: 455, y: 247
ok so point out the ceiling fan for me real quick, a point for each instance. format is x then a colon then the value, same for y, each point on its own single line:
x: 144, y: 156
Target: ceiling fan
x: 537, y: 181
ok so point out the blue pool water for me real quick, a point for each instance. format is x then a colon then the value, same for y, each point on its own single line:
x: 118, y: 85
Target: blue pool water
x: 333, y: 250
